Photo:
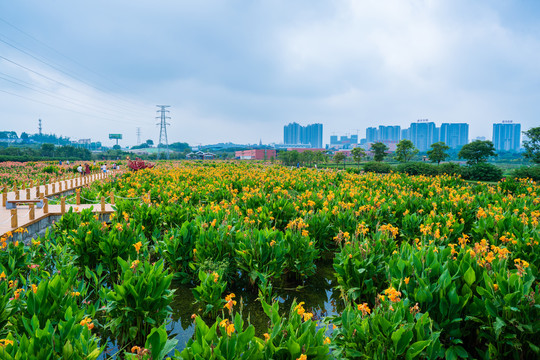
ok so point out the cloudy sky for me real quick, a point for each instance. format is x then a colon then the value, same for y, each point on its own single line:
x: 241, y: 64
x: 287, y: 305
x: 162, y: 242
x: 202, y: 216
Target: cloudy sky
x: 240, y: 70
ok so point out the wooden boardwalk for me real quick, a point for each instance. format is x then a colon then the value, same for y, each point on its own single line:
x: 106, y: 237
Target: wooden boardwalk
x: 25, y: 215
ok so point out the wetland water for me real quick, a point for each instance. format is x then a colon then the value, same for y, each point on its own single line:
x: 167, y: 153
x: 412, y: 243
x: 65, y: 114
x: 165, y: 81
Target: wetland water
x: 319, y: 294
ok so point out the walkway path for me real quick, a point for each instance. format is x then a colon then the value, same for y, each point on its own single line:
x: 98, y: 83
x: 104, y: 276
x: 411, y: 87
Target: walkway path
x: 26, y: 215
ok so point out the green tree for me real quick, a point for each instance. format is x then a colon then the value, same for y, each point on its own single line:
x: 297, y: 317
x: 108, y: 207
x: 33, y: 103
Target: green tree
x: 532, y: 146
x: 438, y: 152
x: 339, y: 157
x: 379, y: 151
x: 405, y: 150
x: 47, y: 150
x: 307, y: 157
x: 477, y: 152
x: 358, y: 153
x: 150, y: 142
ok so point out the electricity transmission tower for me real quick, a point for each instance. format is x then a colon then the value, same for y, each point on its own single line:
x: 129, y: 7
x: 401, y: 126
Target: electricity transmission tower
x: 163, y: 129
x: 138, y: 136
x: 40, y: 127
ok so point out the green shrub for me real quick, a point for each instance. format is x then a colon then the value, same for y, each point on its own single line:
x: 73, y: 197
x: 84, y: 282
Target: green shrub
x: 531, y: 172
x: 140, y: 302
x: 51, y: 169
x: 418, y: 168
x: 482, y: 172
x: 450, y: 168
x: 377, y: 167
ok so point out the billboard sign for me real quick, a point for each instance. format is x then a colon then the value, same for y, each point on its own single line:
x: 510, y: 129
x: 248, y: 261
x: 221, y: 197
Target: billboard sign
x: 115, y: 136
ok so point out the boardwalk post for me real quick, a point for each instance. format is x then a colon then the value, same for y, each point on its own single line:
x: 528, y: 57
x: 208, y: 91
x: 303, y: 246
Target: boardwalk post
x: 4, y: 199
x: 112, y: 199
x: 71, y: 182
x: 60, y: 186
x: 46, y: 189
x: 14, y: 222
x: 31, y: 183
x: 24, y: 185
x: 62, y: 204
x: 32, y: 213
x: 78, y: 191
x: 38, y: 190
x: 45, y: 206
x: 17, y: 195
x: 27, y: 193
x: 103, y: 204
x: 53, y: 188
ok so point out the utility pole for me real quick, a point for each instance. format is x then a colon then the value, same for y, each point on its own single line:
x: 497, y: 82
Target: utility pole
x: 138, y: 136
x: 163, y: 129
x: 39, y: 127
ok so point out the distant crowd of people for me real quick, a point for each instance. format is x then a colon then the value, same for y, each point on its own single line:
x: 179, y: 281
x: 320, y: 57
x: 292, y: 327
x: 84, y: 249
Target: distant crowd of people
x: 86, y: 170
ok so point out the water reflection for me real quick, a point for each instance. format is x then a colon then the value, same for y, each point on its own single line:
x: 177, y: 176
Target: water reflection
x: 319, y: 294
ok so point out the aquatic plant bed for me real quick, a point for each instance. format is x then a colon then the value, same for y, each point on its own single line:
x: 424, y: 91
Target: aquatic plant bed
x: 222, y: 260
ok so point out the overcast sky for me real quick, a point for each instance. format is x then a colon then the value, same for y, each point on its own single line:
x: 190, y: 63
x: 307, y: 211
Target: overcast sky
x: 239, y: 71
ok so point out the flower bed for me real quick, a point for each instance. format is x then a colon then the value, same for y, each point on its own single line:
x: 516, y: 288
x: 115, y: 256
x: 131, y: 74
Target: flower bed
x: 427, y: 267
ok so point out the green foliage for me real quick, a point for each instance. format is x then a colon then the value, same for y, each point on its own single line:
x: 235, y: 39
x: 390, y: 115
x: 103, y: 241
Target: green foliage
x: 450, y: 168
x: 379, y: 151
x: 477, y: 151
x: 339, y: 157
x: 69, y: 340
x: 377, y: 167
x: 358, y: 153
x: 139, y: 302
x: 300, y: 254
x: 532, y: 146
x: 405, y: 150
x: 393, y: 330
x: 51, y: 169
x: 361, y: 264
x: 531, y: 172
x: 156, y: 347
x: 225, y: 340
x: 289, y: 158
x: 209, y: 292
x: 418, y: 168
x: 290, y: 337
x: 176, y: 247
x: 482, y: 172
x: 437, y: 153
x: 261, y: 253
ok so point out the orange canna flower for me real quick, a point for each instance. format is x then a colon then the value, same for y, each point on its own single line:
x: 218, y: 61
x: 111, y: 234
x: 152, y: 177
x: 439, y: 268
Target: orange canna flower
x: 137, y: 246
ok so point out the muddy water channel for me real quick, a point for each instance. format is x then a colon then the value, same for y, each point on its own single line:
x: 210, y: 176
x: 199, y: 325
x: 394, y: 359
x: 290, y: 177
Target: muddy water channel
x: 319, y: 294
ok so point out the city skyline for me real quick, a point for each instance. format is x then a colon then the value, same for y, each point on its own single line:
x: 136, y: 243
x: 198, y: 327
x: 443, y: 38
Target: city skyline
x: 239, y: 71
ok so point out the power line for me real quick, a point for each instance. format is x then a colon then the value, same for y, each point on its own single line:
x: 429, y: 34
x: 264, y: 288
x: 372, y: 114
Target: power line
x: 163, y: 129
x: 50, y: 79
x: 62, y: 55
x: 50, y: 93
x: 121, y: 98
x: 61, y: 108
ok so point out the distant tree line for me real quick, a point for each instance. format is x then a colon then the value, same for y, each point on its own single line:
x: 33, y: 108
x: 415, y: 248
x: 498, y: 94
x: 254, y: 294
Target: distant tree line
x: 305, y: 158
x: 45, y: 152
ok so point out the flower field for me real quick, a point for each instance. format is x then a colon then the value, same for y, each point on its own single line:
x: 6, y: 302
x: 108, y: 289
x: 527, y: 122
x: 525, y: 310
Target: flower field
x: 425, y: 267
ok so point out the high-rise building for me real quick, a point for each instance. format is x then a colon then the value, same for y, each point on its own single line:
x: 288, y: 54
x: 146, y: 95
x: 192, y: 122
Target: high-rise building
x: 344, y: 142
x: 454, y: 135
x: 295, y: 134
x: 372, y: 134
x: 423, y: 133
x: 507, y: 136
x: 314, y: 135
x: 405, y: 134
x: 291, y: 133
x: 389, y: 133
